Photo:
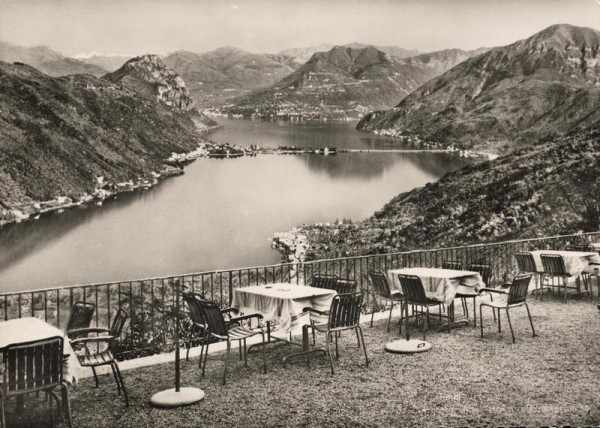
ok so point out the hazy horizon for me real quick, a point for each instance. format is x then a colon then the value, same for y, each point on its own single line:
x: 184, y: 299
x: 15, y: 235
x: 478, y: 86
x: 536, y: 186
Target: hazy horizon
x: 82, y: 27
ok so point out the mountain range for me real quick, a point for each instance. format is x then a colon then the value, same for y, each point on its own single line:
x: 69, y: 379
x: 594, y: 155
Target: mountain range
x: 549, y: 188
x: 545, y: 85
x: 47, y: 61
x: 70, y: 136
x: 344, y: 82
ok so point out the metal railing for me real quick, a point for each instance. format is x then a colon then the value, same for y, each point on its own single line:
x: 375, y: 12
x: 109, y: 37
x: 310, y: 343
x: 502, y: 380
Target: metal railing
x: 150, y: 302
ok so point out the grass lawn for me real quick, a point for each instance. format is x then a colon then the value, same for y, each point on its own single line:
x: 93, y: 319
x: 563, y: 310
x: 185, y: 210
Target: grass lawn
x: 551, y: 379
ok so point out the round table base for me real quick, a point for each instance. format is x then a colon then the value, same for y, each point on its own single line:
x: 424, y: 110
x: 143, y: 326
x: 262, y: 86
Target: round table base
x: 172, y: 398
x: 407, y: 346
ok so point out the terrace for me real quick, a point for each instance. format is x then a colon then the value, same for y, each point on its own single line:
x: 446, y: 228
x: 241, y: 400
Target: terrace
x: 550, y: 379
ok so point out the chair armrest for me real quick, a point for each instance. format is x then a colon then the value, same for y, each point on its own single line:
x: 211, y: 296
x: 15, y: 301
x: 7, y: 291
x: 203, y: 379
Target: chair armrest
x: 491, y: 290
x: 316, y: 311
x: 85, y: 340
x: 227, y: 310
x: 246, y: 317
x: 88, y: 330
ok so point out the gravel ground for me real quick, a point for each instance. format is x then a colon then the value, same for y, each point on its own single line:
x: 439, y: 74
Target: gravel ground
x: 551, y: 379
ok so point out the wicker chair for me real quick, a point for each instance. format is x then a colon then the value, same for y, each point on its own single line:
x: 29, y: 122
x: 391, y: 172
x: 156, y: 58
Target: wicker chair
x: 35, y: 367
x: 217, y: 329
x: 515, y: 296
x: 343, y: 314
x: 414, y: 295
x: 485, y: 270
x: 554, y: 267
x: 381, y: 288
x: 96, y: 356
x: 80, y: 318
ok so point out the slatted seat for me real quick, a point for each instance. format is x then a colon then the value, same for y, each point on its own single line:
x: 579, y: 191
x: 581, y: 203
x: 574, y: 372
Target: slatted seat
x: 515, y: 296
x: 95, y: 356
x: 485, y: 270
x: 554, y: 267
x: 414, y: 295
x: 381, y: 289
x: 35, y: 366
x: 526, y: 264
x: 218, y: 329
x: 343, y: 315
x: 198, y: 323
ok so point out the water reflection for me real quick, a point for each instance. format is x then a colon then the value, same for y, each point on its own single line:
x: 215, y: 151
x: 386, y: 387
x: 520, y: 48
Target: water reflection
x: 219, y: 214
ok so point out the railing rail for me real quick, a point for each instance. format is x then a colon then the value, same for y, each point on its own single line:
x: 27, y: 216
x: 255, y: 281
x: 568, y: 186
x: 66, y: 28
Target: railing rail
x: 151, y: 301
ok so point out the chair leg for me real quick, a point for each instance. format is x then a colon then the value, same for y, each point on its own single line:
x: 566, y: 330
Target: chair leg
x: 201, y: 355
x: 187, y: 353
x: 244, y: 352
x: 337, y: 354
x: 67, y: 404
x: 465, y: 307
x: 3, y: 421
x: 357, y: 338
x: 407, y: 331
x: 426, y: 323
x: 530, y: 321
x: 363, y: 344
x: 474, y: 312
x: 226, y: 361
x: 205, y: 358
x: 481, y: 318
x: 510, y: 325
x: 112, y: 367
x: 390, y: 316
x: 264, y: 355
x: 95, y: 376
x: 565, y: 287
x: 329, y: 352
x: 122, y: 384
x: 499, y: 325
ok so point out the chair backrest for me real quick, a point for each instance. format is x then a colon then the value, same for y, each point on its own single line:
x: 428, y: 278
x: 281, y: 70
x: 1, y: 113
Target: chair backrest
x: 194, y: 303
x: 81, y: 316
x: 345, y: 310
x: 118, y: 323
x: 320, y: 280
x: 482, y: 269
x: 452, y: 264
x: 518, y: 289
x: 574, y: 247
x: 554, y: 264
x: 213, y: 318
x: 412, y: 289
x: 345, y: 286
x: 33, y: 366
x: 525, y: 262
x: 380, y: 283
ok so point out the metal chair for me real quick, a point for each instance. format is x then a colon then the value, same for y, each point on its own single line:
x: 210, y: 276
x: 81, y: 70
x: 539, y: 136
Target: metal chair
x: 381, y: 288
x: 194, y: 303
x: 217, y: 329
x: 554, y: 267
x: 80, y: 318
x: 485, y: 270
x: 35, y: 367
x: 414, y: 295
x: 345, y: 286
x: 526, y: 264
x: 321, y: 280
x: 515, y: 296
x: 343, y: 314
x: 452, y: 264
x: 96, y: 355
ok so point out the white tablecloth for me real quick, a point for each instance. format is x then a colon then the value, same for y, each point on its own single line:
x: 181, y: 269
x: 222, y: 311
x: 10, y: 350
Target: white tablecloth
x: 439, y: 284
x: 281, y: 303
x: 21, y: 330
x: 576, y: 262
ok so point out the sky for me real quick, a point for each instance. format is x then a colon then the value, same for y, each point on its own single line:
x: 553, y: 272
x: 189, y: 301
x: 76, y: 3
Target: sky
x: 135, y: 27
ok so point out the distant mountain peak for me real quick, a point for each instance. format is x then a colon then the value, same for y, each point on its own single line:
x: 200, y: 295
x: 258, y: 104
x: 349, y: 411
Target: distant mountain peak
x: 148, y: 75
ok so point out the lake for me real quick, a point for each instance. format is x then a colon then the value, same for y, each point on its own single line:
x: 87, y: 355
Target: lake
x: 222, y: 213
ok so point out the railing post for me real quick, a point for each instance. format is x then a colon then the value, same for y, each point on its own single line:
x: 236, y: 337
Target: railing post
x: 230, y: 288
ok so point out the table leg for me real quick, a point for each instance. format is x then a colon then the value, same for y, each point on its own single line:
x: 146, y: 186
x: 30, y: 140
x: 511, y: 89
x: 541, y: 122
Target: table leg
x: 452, y: 320
x: 306, y: 351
